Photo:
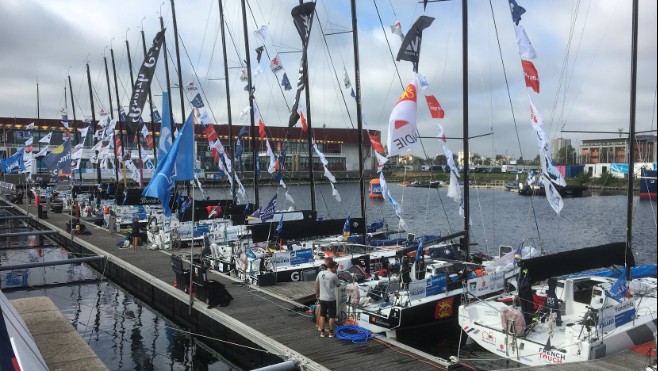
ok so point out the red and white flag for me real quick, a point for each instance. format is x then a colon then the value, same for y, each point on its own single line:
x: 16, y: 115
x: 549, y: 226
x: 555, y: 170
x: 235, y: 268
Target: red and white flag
x: 402, y: 133
x: 531, y: 75
x: 261, y: 129
x: 435, y: 108
x: 375, y: 142
x: 303, y: 120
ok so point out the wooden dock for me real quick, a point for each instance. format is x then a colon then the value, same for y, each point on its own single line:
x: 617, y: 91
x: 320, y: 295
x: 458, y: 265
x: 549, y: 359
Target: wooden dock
x: 261, y: 326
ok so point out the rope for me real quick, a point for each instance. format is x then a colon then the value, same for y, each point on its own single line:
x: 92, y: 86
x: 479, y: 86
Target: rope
x: 353, y: 333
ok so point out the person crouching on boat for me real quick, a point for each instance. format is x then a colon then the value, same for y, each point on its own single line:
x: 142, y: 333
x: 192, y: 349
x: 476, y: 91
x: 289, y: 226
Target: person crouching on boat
x: 328, y: 283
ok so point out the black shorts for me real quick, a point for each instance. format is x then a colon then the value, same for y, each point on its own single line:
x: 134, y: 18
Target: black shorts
x: 328, y: 308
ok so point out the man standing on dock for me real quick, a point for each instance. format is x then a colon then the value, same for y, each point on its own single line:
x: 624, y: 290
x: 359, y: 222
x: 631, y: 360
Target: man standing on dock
x: 328, y: 283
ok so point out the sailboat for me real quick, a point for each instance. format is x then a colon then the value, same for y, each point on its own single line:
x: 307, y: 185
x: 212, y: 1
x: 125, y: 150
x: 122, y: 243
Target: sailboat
x: 17, y: 347
x: 588, y: 316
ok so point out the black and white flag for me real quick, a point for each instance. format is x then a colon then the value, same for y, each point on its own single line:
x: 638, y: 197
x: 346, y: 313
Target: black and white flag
x: 410, y: 48
x: 143, y: 83
x: 302, y: 15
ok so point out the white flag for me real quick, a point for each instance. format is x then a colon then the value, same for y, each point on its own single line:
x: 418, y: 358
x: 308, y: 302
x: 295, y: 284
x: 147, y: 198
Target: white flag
x: 321, y: 155
x: 381, y: 160
x: 553, y: 196
x: 261, y: 32
x: 402, y: 133
x: 397, y: 30
x: 525, y: 47
x: 83, y: 132
x: 47, y: 138
x: 346, y: 79
x: 29, y: 141
x: 424, y: 84
x: 383, y: 184
x: 43, y: 152
x: 289, y: 197
x: 145, y: 132
x: 329, y: 175
x: 335, y: 193
x: 30, y: 127
x: 272, y: 167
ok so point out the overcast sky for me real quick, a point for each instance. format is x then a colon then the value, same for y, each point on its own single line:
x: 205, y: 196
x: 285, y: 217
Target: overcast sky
x: 583, y: 58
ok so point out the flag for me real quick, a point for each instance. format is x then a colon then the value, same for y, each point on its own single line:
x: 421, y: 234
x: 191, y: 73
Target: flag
x: 525, y: 47
x: 84, y: 131
x: 268, y: 212
x: 14, y: 161
x: 302, y: 16
x: 352, y: 94
x: 164, y: 143
x: 619, y: 289
x: 435, y: 108
x: 396, y: 29
x: 184, y: 169
x: 424, y: 84
x: 156, y: 116
x: 190, y: 86
x: 238, y: 144
x: 197, y: 102
x: 43, y: 152
x: 285, y: 82
x: 261, y: 129
x: 517, y: 11
x: 59, y: 158
x: 402, y: 133
x: 279, y: 227
x: 303, y: 121
x: 259, y: 53
x: 29, y: 141
x: 346, y: 228
x: 518, y: 253
x: 210, y: 133
x: 375, y: 142
x: 381, y: 161
x: 531, y: 75
x: 275, y: 64
x: 243, y: 75
x: 143, y: 83
x: 410, y: 48
x: 421, y: 249
x: 261, y: 32
x: 30, y: 126
x: 162, y: 182
x: 255, y: 215
x: 346, y: 79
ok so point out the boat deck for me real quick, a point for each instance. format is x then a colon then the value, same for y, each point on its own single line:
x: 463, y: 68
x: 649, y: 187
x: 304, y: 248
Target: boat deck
x: 270, y: 316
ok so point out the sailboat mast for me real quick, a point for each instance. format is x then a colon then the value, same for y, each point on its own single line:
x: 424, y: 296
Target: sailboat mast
x: 77, y: 134
x: 139, y: 142
x: 109, y: 95
x: 228, y: 98
x: 123, y: 141
x: 93, y: 120
x: 151, y: 97
x: 38, y: 116
x: 631, y: 137
x: 309, y: 131
x: 180, y: 76
x: 251, y: 101
x: 466, y: 241
x: 357, y: 83
x: 166, y: 60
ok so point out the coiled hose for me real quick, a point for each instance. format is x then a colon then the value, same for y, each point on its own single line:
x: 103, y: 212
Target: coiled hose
x: 356, y: 334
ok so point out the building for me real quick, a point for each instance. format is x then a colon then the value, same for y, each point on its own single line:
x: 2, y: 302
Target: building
x: 339, y: 146
x: 614, y: 150
x: 558, y: 144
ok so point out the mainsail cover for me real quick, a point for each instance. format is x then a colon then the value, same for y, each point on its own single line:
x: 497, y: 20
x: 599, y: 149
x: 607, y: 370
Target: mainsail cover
x: 143, y: 84
x: 574, y: 261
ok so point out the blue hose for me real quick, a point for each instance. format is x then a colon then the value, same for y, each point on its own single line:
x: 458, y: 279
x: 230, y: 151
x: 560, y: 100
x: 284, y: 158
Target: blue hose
x: 354, y: 333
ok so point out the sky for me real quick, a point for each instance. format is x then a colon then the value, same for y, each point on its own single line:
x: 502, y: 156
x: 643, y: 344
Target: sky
x: 583, y: 59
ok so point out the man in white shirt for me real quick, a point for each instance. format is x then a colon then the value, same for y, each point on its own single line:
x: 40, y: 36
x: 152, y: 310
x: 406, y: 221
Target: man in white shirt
x: 328, y: 282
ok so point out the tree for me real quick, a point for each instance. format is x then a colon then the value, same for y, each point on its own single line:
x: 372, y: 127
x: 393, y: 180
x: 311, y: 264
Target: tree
x: 566, y: 155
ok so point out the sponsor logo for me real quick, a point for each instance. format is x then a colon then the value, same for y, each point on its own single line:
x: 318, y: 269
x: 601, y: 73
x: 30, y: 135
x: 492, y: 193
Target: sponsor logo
x: 551, y: 356
x: 444, y: 308
x: 488, y: 337
x: 294, y: 276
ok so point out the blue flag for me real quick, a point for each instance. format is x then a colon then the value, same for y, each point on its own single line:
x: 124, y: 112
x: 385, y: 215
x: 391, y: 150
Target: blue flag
x: 197, y: 102
x: 268, y: 212
x: 517, y: 11
x: 184, y: 169
x: 164, y: 144
x: 421, y: 249
x: 59, y: 158
x: 518, y: 253
x: 14, y: 161
x: 162, y: 181
x: 279, y: 228
x: 238, y: 144
x: 346, y: 228
x: 156, y: 116
x: 619, y: 289
x: 285, y: 82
